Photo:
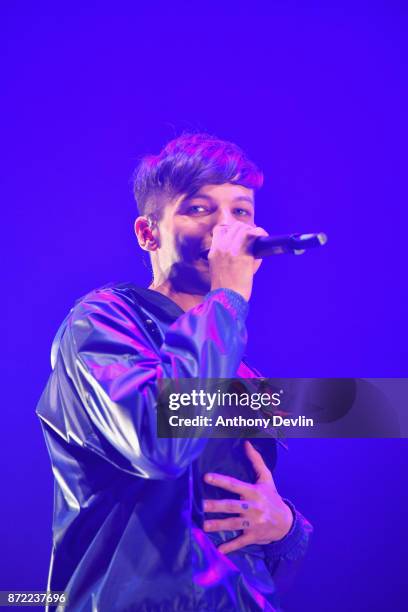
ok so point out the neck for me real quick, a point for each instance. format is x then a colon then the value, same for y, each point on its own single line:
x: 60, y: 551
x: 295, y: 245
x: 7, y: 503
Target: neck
x: 182, y: 299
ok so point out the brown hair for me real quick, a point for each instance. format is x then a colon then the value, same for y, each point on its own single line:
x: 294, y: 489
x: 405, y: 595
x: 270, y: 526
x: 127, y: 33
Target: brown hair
x: 186, y: 164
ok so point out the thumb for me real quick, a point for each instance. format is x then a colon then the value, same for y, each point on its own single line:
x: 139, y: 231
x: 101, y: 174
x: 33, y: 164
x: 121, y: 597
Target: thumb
x: 263, y: 474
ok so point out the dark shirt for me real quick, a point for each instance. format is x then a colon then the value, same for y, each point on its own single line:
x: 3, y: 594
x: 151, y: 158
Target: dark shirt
x: 127, y: 526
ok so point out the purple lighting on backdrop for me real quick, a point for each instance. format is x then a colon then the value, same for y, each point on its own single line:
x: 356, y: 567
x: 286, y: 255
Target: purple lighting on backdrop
x: 316, y: 94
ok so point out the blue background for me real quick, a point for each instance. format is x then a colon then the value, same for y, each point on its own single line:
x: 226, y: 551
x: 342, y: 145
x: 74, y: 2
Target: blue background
x: 316, y: 93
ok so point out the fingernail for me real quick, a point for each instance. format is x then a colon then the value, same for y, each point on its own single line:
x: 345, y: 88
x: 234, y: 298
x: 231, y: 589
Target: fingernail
x: 209, y: 477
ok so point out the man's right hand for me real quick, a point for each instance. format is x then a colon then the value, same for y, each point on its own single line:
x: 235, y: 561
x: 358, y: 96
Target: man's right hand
x: 232, y: 266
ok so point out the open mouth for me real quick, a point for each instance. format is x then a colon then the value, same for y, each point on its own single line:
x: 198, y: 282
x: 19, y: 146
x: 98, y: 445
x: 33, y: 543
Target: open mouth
x: 204, y: 254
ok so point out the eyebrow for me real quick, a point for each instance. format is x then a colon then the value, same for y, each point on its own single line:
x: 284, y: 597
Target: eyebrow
x: 244, y: 199
x: 204, y: 196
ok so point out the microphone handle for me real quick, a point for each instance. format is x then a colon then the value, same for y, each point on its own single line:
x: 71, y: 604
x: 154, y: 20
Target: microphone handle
x: 293, y: 243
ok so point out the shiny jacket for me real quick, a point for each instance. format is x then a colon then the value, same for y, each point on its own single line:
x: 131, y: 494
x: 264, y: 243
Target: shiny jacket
x: 127, y: 525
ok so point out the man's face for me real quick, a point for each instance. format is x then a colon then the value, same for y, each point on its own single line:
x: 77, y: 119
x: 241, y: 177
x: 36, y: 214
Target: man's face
x: 186, y: 227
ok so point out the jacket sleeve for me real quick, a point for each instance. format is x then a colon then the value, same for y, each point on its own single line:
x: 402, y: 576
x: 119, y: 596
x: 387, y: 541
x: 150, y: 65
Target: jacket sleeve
x: 113, y: 367
x: 283, y: 557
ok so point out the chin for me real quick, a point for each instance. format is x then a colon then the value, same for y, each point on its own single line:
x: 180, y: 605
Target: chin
x: 190, y: 278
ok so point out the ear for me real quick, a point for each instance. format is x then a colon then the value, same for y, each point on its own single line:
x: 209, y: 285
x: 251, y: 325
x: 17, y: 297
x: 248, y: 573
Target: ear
x: 146, y: 234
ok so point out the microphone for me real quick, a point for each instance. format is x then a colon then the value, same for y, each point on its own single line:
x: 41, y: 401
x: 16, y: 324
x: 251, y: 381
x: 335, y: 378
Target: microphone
x: 296, y: 244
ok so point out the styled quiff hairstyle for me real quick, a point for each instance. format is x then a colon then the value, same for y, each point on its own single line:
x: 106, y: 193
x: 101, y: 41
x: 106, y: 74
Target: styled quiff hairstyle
x: 186, y: 164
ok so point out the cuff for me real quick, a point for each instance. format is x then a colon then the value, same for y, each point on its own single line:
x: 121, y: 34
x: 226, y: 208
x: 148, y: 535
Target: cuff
x: 294, y: 545
x: 232, y: 300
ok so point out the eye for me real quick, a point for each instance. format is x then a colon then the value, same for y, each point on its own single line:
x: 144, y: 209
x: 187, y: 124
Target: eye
x: 242, y: 212
x: 196, y: 209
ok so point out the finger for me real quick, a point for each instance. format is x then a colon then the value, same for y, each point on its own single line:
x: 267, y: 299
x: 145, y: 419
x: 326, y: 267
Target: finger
x: 235, y: 544
x: 230, y: 484
x: 245, y: 239
x: 257, y: 265
x: 256, y: 232
x: 224, y: 235
x: 236, y: 523
x: 245, y: 236
x: 233, y: 506
x: 263, y: 474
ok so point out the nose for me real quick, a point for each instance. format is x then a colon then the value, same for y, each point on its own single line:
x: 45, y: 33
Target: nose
x: 224, y: 216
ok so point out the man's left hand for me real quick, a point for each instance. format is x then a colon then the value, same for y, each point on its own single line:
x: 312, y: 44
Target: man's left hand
x: 263, y: 516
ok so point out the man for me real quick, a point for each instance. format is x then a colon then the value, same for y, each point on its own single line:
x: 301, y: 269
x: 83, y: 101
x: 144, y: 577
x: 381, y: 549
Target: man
x: 143, y: 523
